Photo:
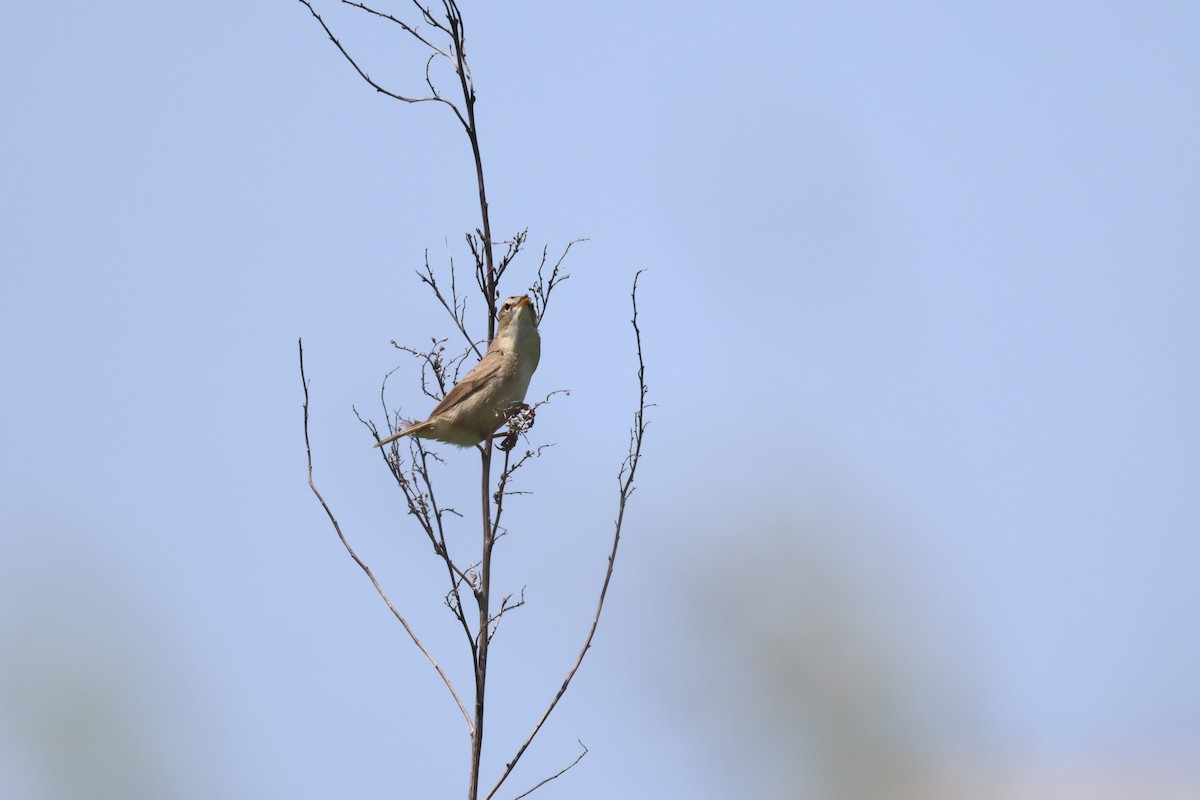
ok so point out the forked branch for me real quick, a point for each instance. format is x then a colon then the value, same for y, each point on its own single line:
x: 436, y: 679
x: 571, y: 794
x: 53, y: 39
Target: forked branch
x: 434, y: 98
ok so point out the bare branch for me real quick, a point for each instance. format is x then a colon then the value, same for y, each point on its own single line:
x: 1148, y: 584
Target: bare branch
x: 429, y: 75
x: 431, y: 361
x: 362, y: 565
x: 455, y: 575
x: 482, y: 271
x: 483, y: 601
x: 457, y: 34
x: 422, y: 503
x: 452, y: 305
x: 544, y: 285
x: 520, y: 420
x: 429, y: 18
x: 505, y: 607
x: 544, y: 781
x: 424, y: 506
x: 514, y: 247
x: 407, y: 28
x: 626, y: 477
x: 403, y: 98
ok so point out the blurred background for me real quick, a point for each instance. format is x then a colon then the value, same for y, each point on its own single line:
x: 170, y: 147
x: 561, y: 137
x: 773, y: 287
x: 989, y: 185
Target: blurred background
x: 919, y: 508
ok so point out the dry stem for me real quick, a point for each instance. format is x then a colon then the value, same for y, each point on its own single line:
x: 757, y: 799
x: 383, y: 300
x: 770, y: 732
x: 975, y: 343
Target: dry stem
x: 338, y: 528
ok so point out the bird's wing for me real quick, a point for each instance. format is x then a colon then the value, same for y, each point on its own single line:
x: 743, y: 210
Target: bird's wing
x: 474, y: 381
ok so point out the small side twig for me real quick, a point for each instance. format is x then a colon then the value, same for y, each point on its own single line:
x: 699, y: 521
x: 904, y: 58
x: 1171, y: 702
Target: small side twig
x: 445, y: 370
x: 544, y: 781
x: 519, y: 422
x: 514, y: 247
x: 417, y: 487
x: 506, y: 605
x: 544, y: 285
x: 409, y: 29
x: 455, y: 307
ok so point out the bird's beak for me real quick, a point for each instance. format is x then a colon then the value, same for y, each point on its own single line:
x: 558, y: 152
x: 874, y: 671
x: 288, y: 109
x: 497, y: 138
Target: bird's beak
x: 524, y: 301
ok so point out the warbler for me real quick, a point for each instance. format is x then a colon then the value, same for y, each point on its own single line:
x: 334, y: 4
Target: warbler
x: 483, y: 400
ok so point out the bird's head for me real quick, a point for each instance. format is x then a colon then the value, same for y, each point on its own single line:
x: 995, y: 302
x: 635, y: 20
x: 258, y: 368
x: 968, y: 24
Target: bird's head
x: 517, y: 311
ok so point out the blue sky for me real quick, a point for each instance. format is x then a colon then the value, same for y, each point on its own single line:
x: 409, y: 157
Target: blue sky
x: 920, y: 320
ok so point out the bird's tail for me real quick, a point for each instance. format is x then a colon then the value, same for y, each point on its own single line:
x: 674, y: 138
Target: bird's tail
x: 420, y: 426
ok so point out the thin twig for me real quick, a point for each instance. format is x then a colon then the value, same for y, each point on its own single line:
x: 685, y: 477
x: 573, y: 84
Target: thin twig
x: 625, y: 478
x: 505, y: 607
x: 431, y: 359
x: 408, y: 28
x: 422, y: 504
x: 544, y: 285
x: 481, y: 267
x: 544, y: 781
x: 370, y: 81
x: 514, y: 247
x: 442, y: 550
x: 451, y: 305
x: 338, y: 528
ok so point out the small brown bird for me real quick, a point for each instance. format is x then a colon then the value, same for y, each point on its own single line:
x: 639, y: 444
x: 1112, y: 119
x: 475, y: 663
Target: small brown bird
x: 482, y: 401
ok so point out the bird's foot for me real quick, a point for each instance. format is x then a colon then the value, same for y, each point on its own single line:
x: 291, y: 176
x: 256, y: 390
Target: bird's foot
x: 520, y: 419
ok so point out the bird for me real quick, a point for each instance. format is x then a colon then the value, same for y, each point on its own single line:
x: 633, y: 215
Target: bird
x: 486, y: 396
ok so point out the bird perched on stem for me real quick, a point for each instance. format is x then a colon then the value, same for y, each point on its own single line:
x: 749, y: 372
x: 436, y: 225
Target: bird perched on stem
x: 495, y: 387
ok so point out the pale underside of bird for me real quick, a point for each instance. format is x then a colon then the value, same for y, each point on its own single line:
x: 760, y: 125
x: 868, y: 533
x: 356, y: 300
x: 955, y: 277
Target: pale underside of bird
x: 494, y: 388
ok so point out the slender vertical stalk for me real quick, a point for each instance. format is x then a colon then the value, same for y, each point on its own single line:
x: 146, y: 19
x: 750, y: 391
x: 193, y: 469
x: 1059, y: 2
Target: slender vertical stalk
x: 468, y: 90
x: 483, y: 597
x: 483, y: 594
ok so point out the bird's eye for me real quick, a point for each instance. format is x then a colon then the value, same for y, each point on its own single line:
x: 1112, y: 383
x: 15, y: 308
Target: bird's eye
x: 507, y: 305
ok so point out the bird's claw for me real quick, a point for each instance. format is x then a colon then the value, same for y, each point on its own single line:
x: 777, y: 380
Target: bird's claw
x: 520, y: 419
